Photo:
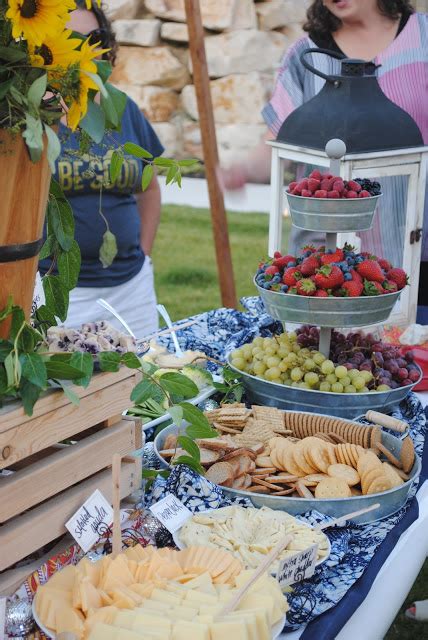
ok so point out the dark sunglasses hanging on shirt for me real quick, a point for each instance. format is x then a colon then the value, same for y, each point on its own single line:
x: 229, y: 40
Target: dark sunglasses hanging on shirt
x: 98, y: 36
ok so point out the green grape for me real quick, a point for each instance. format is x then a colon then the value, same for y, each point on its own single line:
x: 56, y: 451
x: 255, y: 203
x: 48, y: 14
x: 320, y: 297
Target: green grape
x: 363, y: 390
x: 350, y: 389
x: 247, y: 351
x: 258, y: 342
x: 273, y: 373
x: 331, y: 378
x: 327, y: 367
x: 304, y: 385
x: 259, y: 368
x: 341, y: 371
x: 337, y: 387
x: 359, y: 382
x: 305, y: 352
x: 283, y: 351
x: 273, y: 361
x: 318, y: 358
x: 296, y: 347
x: 283, y: 366
x: 237, y: 354
x: 383, y: 387
x: 296, y: 374
x: 258, y: 353
x: 295, y: 384
x: 292, y: 336
x: 353, y: 373
x: 309, y: 364
x: 311, y: 378
x: 291, y: 358
x: 270, y: 351
x: 345, y: 381
x: 367, y: 375
x: 267, y: 342
x: 325, y: 386
x: 239, y: 363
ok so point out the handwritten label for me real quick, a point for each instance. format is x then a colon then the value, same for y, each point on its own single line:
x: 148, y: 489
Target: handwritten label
x: 297, y: 567
x: 171, y: 512
x: 90, y: 521
x: 38, y: 295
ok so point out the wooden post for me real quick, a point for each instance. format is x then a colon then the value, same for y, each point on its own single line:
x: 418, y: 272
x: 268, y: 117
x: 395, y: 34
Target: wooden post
x: 209, y: 145
x: 117, y: 534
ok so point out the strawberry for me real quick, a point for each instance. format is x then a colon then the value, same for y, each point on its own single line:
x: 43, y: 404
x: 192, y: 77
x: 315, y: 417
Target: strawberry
x: 277, y: 254
x: 329, y: 277
x: 399, y: 276
x: 354, y: 186
x: 351, y: 194
x: 364, y: 194
x: 306, y: 287
x: 390, y: 286
x: 326, y: 184
x: 291, y: 276
x: 306, y: 193
x: 339, y: 185
x: 340, y: 293
x: 373, y: 288
x: 321, y: 293
x: 313, y: 184
x: 309, y: 265
x: 315, y: 174
x: 370, y: 270
x: 282, y: 261
x: 309, y: 247
x: 321, y: 193
x: 328, y: 258
x: 271, y: 271
x: 292, y: 186
x: 333, y: 194
x: 384, y: 264
x: 353, y: 288
x: 356, y: 276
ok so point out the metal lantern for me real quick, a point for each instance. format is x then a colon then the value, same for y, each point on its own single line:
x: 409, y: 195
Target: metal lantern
x: 382, y: 141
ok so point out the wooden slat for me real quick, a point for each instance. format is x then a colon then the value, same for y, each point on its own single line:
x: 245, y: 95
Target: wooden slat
x: 64, y: 468
x: 13, y: 414
x: 48, y: 429
x: 27, y: 533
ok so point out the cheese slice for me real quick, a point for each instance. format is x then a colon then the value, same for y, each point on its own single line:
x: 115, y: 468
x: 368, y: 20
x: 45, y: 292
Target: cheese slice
x: 263, y: 629
x: 124, y: 619
x: 148, y: 620
x: 104, y: 632
x: 165, y: 596
x: 185, y: 613
x: 105, y: 615
x: 183, y: 630
x: 88, y: 569
x: 256, y: 601
x: 67, y: 619
x: 200, y: 598
x: 64, y: 579
x: 156, y: 605
x: 230, y: 629
x: 89, y: 595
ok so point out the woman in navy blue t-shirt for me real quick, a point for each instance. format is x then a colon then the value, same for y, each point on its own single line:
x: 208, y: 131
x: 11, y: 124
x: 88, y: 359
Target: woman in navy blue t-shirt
x: 132, y: 216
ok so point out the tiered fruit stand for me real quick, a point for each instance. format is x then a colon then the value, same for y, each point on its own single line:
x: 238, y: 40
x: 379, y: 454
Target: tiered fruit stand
x: 331, y: 216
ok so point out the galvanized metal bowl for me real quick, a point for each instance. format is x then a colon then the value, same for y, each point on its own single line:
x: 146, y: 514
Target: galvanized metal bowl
x: 332, y: 216
x: 328, y: 312
x: 390, y: 501
x: 341, y: 405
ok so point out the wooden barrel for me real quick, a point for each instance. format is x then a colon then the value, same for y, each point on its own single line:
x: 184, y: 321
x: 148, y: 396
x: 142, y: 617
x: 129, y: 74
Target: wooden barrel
x: 24, y: 190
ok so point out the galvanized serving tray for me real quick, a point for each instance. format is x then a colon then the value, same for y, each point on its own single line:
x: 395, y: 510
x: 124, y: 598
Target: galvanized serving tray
x: 342, y: 215
x: 341, y: 405
x: 328, y: 312
x: 390, y: 501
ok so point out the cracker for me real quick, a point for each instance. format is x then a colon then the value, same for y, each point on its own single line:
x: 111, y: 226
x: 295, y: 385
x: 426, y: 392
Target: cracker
x: 242, y: 451
x: 264, y: 471
x: 221, y: 427
x: 263, y: 483
x: 336, y: 437
x: 344, y: 471
x: 407, y: 454
x: 208, y: 456
x: 376, y: 437
x: 389, y: 456
x: 258, y: 489
x: 301, y: 459
x: 263, y: 461
x: 303, y: 490
x: 370, y: 476
x: 379, y: 485
x: 332, y: 488
x: 403, y: 475
x: 318, y: 453
x: 220, y: 473
x: 282, y: 479
x: 392, y: 475
x: 315, y: 477
x: 290, y: 463
x: 323, y: 436
x: 283, y: 492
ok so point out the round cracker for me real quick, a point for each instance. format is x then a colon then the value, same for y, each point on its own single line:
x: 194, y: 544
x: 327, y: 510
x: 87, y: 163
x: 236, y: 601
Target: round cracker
x: 344, y: 471
x: 392, y: 475
x: 301, y: 459
x: 379, y: 485
x: 319, y: 455
x: 369, y: 476
x: 291, y: 464
x: 407, y: 454
x: 332, y: 488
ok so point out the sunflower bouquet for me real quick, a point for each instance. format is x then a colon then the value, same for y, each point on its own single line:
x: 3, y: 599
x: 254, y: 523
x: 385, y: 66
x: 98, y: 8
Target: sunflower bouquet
x: 47, y: 72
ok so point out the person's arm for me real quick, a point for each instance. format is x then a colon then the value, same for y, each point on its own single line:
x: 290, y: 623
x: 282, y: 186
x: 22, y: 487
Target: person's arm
x: 149, y: 208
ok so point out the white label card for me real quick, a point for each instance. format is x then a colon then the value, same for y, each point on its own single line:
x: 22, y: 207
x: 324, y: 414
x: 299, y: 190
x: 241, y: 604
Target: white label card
x: 39, y: 294
x: 171, y: 512
x: 90, y: 521
x: 297, y: 567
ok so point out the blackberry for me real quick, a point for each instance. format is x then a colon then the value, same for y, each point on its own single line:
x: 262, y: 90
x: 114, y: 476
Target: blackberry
x: 163, y: 538
x: 371, y: 186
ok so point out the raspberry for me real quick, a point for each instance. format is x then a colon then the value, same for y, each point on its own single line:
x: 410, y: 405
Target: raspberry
x: 297, y: 191
x: 313, y: 185
x: 303, y: 184
x: 352, y: 194
x: 306, y: 193
x: 327, y: 184
x: 333, y: 194
x: 321, y: 193
x: 364, y: 194
x: 321, y: 293
x: 339, y: 186
x: 292, y: 186
x: 315, y: 174
x: 354, y: 186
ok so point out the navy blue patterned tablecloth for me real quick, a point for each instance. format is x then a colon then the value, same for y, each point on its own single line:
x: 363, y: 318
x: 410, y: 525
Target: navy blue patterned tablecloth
x: 327, y: 600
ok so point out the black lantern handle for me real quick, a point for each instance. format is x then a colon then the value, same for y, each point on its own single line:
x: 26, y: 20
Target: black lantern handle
x: 310, y: 67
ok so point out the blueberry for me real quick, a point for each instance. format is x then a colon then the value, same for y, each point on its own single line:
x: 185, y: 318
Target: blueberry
x: 284, y: 288
x: 276, y: 279
x: 291, y: 264
x: 347, y: 276
x: 267, y: 285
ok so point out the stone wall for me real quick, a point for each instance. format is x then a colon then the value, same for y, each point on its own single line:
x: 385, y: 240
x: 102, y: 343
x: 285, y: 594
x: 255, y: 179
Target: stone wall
x: 245, y: 40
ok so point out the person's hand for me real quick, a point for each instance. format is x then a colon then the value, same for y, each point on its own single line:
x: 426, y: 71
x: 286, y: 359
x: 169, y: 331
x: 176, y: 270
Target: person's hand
x: 232, y: 178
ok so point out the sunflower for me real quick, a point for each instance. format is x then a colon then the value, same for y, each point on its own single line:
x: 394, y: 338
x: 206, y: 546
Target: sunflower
x: 56, y: 54
x: 34, y: 20
x: 78, y: 104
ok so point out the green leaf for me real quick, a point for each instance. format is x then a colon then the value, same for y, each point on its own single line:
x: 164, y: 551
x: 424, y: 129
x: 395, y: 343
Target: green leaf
x: 147, y: 176
x: 109, y: 361
x: 177, y: 178
x: 85, y: 363
x: 131, y: 360
x: 7, y: 310
x: 12, y: 53
x: 142, y: 391
x: 164, y: 162
x: 178, y: 384
x: 9, y: 365
x: 100, y: 84
x: 56, y: 191
x: 190, y: 446
x: 44, y: 318
x: 57, y: 370
x: 188, y: 162
x: 5, y: 348
x: 103, y: 69
x: 18, y: 96
x: 107, y: 105
x: 3, y: 381
x: 190, y: 462
x: 69, y: 265
x: 196, y: 432
x: 49, y: 248
x: 34, y: 369
x: 56, y: 296
x: 33, y: 135
x: 118, y: 99
x: 5, y: 86
x: 18, y: 319
x: 61, y: 222
x: 171, y: 174
x: 29, y: 338
x: 176, y: 413
x: 108, y: 249
x: 194, y: 415
x: 94, y: 122
x: 116, y: 163
x: 54, y: 147
x: 136, y: 150
x: 30, y: 393
x: 71, y: 395
x: 37, y: 90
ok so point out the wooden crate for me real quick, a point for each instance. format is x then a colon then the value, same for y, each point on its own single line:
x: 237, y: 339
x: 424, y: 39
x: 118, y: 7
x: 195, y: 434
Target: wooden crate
x: 50, y: 481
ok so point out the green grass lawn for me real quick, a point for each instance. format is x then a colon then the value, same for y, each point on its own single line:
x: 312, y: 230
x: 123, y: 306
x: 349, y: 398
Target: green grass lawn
x: 186, y: 283
x: 185, y: 262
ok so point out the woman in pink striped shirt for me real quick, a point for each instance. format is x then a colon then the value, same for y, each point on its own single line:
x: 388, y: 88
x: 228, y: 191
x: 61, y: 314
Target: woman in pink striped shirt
x: 394, y: 36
